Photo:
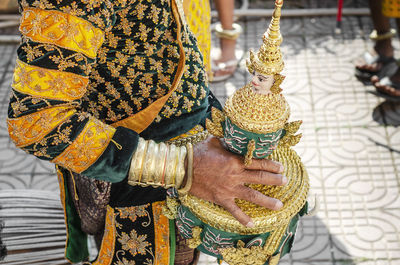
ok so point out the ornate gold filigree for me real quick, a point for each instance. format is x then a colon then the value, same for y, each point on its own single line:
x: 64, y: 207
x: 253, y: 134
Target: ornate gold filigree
x: 108, y: 243
x: 32, y: 128
x: 63, y: 30
x: 46, y: 83
x: 161, y: 226
x: 251, y: 146
x: 268, y: 60
x: 256, y: 112
x: 214, y: 125
x: 290, y: 139
x: 87, y: 147
x: 195, y: 241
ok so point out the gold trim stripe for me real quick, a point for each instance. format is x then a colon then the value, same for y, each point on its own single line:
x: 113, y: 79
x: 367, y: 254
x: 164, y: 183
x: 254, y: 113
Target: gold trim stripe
x: 29, y: 129
x: 64, y: 30
x: 161, y: 232
x: 107, y: 248
x: 50, y: 84
x: 87, y: 147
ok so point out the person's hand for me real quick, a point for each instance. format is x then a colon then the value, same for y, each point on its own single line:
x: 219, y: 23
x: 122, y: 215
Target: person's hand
x: 219, y: 176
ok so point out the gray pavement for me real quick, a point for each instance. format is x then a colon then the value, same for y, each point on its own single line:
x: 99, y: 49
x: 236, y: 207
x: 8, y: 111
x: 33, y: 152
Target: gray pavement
x: 351, y: 142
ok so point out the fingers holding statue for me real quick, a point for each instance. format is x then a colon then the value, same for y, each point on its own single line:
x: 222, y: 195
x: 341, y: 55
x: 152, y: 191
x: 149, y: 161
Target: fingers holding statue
x: 220, y: 176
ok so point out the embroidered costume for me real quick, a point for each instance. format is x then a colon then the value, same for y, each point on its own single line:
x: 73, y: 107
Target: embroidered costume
x: 91, y: 77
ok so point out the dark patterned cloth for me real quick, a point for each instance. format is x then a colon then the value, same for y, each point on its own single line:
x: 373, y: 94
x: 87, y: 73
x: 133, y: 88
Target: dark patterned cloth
x: 85, y: 65
x: 90, y: 197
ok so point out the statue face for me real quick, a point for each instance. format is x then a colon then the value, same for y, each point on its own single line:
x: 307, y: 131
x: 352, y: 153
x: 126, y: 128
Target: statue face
x: 262, y: 84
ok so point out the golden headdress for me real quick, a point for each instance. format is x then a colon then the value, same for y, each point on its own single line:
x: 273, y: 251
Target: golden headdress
x: 268, y: 60
x: 257, y: 113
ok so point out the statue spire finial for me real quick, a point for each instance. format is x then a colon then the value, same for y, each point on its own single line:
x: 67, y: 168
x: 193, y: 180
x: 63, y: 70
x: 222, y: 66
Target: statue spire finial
x: 268, y: 60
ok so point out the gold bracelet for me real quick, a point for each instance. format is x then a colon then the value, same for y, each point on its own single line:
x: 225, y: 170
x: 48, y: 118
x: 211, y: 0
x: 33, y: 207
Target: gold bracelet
x: 230, y: 34
x: 180, y: 169
x: 148, y: 163
x: 159, y: 163
x: 185, y: 190
x: 384, y: 36
x: 146, y: 144
x: 164, y: 165
x: 136, y: 162
x: 170, y: 167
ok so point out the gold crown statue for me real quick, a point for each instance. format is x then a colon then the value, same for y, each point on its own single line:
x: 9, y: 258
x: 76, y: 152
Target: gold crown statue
x: 251, y: 109
x: 255, y: 124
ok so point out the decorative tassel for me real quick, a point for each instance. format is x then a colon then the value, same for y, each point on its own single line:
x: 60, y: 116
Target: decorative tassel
x: 170, y: 209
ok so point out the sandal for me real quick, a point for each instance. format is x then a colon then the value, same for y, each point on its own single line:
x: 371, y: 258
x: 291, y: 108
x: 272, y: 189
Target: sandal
x: 223, y: 70
x: 388, y: 89
x: 388, y: 67
x: 227, y: 68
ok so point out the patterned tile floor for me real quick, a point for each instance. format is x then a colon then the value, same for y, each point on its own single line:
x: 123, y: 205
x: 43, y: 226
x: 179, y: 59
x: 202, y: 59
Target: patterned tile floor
x: 351, y: 142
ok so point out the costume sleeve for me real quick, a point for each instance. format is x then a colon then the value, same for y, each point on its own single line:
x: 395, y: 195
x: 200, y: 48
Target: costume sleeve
x: 60, y: 40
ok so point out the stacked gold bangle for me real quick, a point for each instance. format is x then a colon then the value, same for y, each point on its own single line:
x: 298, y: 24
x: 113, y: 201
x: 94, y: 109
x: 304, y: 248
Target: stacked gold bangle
x: 158, y: 165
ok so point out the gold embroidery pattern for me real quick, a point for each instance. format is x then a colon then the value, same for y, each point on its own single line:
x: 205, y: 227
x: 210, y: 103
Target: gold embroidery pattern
x: 126, y: 80
x: 161, y: 227
x: 133, y: 212
x: 32, y: 128
x: 62, y: 29
x: 133, y: 243
x: 58, y: 59
x: 130, y: 243
x: 87, y: 147
x: 50, y: 84
x: 106, y: 252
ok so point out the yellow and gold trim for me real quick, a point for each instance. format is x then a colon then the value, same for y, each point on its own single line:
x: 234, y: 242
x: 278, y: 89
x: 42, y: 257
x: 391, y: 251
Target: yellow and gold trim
x: 46, y: 83
x: 63, y: 30
x: 87, y: 147
x: 31, y: 128
x: 107, y: 248
x: 62, y: 198
x: 161, y: 232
